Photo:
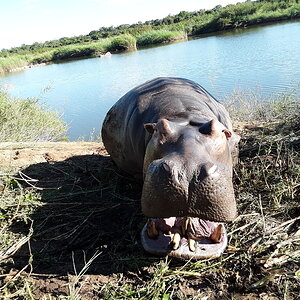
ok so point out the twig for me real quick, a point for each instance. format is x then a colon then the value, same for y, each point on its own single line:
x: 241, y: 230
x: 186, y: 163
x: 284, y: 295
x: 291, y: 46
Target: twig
x: 28, y: 181
x: 23, y: 176
x: 281, y: 260
x: 12, y: 251
x: 74, y: 291
x: 284, y: 224
x: 241, y: 228
x: 13, y: 278
x: 262, y: 213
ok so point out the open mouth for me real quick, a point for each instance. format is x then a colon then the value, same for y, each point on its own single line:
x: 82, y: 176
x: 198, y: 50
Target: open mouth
x: 184, y: 237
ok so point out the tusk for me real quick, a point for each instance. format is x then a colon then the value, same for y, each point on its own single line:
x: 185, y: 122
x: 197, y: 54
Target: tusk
x: 212, y: 170
x: 176, y: 240
x: 192, y: 245
x: 152, y: 230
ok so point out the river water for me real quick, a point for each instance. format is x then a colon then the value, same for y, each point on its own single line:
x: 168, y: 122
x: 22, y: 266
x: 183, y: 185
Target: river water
x: 264, y: 59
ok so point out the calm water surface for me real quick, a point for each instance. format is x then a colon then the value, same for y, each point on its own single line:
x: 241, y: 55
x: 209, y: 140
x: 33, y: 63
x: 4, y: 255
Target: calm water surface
x: 266, y: 59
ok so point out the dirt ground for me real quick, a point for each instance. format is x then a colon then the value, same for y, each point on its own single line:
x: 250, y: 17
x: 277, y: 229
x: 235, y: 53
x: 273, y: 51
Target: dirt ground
x: 83, y: 236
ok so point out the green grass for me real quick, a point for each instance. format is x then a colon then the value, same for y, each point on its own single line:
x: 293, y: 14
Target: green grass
x: 245, y: 14
x: 159, y: 37
x: 40, y: 58
x: 72, y: 51
x: 114, y: 44
x: 28, y: 121
x: 12, y: 62
x: 122, y: 43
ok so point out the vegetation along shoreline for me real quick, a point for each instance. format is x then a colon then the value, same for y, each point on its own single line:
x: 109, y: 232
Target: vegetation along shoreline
x: 132, y: 37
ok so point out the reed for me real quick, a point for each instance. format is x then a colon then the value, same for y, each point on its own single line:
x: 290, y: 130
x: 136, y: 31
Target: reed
x: 10, y: 63
x: 159, y: 37
x: 123, y: 42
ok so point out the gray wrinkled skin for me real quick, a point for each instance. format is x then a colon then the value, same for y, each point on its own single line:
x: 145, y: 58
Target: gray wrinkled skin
x: 175, y: 136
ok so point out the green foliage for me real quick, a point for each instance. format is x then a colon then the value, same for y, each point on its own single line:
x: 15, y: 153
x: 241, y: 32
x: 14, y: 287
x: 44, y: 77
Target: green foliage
x: 12, y: 62
x: 246, y: 14
x: 118, y: 43
x: 159, y: 36
x: 28, y: 121
x: 43, y: 57
x: 72, y: 51
x: 122, y: 43
x: 170, y: 28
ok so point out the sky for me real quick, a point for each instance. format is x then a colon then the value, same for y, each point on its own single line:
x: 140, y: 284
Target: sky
x: 29, y: 21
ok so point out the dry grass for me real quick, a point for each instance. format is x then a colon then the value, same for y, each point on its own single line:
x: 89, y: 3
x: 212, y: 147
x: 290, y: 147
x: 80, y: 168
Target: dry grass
x: 83, y: 214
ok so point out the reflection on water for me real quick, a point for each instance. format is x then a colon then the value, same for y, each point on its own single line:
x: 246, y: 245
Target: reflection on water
x: 265, y: 58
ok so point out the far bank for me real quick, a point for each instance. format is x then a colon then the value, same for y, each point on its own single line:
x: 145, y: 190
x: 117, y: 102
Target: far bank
x: 132, y: 37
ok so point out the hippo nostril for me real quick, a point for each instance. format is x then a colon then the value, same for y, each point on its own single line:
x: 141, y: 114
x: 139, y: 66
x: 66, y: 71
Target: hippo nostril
x: 173, y: 172
x: 210, y: 170
x: 166, y: 167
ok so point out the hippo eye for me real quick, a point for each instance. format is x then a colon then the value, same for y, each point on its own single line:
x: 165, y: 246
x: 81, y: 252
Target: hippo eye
x: 196, y: 123
x: 205, y: 128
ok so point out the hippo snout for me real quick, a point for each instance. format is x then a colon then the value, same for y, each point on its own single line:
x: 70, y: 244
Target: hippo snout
x: 211, y: 194
x: 170, y: 173
x: 165, y: 190
x: 206, y: 192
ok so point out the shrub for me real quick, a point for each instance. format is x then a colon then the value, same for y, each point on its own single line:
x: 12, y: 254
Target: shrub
x: 28, y: 121
x: 159, y: 36
x: 122, y: 42
x: 210, y: 26
x: 42, y: 58
x: 73, y: 51
x: 12, y: 62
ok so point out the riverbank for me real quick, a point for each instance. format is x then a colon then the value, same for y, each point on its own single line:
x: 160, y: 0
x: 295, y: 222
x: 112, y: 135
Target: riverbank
x: 70, y: 224
x: 135, y: 36
x: 117, y: 44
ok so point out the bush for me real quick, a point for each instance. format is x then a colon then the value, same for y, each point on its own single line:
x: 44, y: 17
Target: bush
x: 122, y: 42
x: 159, y: 36
x: 12, y: 62
x: 211, y: 25
x: 72, y: 51
x: 42, y: 58
x: 28, y: 121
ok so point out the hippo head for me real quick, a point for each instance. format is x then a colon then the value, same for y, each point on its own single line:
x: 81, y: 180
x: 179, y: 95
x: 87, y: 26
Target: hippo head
x: 188, y: 171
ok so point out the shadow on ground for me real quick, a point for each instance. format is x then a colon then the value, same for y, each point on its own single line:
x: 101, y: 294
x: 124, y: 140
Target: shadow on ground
x: 88, y: 207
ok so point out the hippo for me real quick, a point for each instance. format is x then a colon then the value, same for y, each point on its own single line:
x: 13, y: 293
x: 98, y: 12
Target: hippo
x: 178, y: 139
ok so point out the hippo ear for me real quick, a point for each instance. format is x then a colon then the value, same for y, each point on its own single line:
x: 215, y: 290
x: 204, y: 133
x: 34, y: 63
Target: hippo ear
x: 228, y: 133
x: 217, y: 128
x: 150, y: 127
x: 163, y: 127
